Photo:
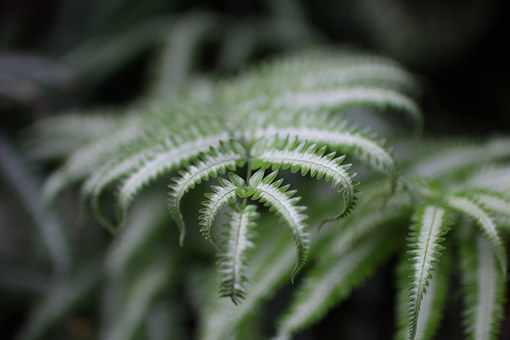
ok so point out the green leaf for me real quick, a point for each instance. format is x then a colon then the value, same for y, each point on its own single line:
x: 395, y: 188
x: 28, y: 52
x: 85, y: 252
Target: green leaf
x: 88, y: 159
x: 256, y: 178
x: 342, y: 139
x: 308, y: 158
x: 221, y: 196
x: 232, y: 260
x: 473, y: 209
x: 236, y: 180
x: 160, y: 163
x: 332, y: 281
x: 432, y: 303
x: 282, y: 203
x: 494, y: 202
x: 430, y: 224
x: 211, y: 163
x: 484, y: 288
x: 345, y: 97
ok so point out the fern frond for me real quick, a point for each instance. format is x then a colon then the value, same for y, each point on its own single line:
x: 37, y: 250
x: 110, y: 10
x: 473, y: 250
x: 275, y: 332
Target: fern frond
x: 342, y: 98
x: 492, y: 178
x: 473, y: 209
x: 227, y: 156
x: 308, y: 71
x: 308, y: 158
x: 282, y: 203
x: 432, y: 303
x: 60, y: 136
x: 144, y: 221
x: 370, y: 218
x: 221, y: 196
x: 484, y: 288
x: 232, y: 261
x: 430, y: 224
x: 344, y: 140
x: 160, y: 163
x: 493, y: 201
x: 269, y: 266
x: 332, y: 281
x: 86, y: 160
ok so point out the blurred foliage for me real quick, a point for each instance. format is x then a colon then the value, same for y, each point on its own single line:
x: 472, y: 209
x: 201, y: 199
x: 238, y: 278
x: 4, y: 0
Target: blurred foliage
x: 61, y: 56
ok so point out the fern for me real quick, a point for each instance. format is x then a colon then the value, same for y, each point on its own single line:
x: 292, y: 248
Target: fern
x: 232, y: 263
x: 483, y: 285
x: 485, y: 222
x: 213, y: 162
x: 221, y: 196
x: 332, y: 281
x: 429, y: 226
x: 432, y: 303
x: 344, y: 140
x: 309, y: 160
x: 282, y: 203
x: 161, y: 162
x: 290, y: 114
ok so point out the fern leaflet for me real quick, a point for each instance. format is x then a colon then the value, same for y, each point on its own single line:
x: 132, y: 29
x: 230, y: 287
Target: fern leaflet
x: 160, y: 163
x: 340, y: 98
x: 430, y: 224
x: 232, y: 263
x: 221, y: 196
x: 212, y: 163
x: 484, y: 288
x: 473, y: 209
x: 309, y: 159
x: 281, y: 201
x: 364, y: 147
x: 332, y: 281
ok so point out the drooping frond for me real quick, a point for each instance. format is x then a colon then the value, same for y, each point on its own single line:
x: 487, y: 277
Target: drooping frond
x: 332, y: 281
x: 372, y: 218
x: 430, y: 224
x: 282, y: 203
x: 432, y: 303
x: 484, y: 287
x: 493, y: 201
x: 232, y: 261
x: 341, y: 98
x: 144, y: 221
x: 269, y: 267
x: 213, y: 162
x: 160, y: 163
x: 344, y: 140
x: 59, y: 136
x: 87, y: 159
x: 309, y: 159
x: 492, y: 178
x: 473, y: 209
x: 221, y: 196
